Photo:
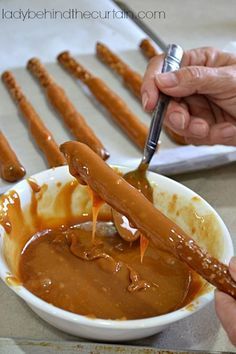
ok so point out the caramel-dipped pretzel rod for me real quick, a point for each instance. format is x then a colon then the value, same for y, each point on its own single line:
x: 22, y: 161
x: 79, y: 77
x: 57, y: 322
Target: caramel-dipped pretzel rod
x: 117, y: 108
x: 131, y: 78
x: 10, y: 168
x: 62, y: 104
x: 151, y: 222
x: 39, y: 131
x: 147, y: 48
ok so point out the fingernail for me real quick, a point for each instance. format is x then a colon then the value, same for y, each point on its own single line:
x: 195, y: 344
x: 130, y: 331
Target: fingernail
x: 145, y: 100
x: 177, y: 120
x: 199, y: 130
x: 167, y: 79
x: 228, y: 132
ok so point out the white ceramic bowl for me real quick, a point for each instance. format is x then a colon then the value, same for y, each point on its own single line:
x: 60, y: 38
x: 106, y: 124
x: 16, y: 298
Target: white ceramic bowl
x: 188, y: 203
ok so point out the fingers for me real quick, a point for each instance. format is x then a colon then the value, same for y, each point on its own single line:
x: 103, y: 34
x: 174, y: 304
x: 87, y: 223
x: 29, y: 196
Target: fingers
x: 208, y: 56
x: 196, y: 80
x: 225, y: 307
x: 177, y: 116
x: 149, y: 90
x: 179, y: 120
x: 222, y: 133
x: 198, y: 130
x: 204, y: 70
x: 232, y: 267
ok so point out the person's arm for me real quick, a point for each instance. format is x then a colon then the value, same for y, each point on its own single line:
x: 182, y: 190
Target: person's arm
x: 226, y: 307
x: 203, y: 109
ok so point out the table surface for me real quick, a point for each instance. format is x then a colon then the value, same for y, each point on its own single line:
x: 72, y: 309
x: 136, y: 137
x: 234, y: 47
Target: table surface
x: 190, y: 23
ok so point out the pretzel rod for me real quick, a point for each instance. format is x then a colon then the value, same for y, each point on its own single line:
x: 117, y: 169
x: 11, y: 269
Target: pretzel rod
x: 147, y: 48
x: 151, y: 222
x: 39, y: 131
x: 131, y: 78
x: 62, y: 104
x: 10, y: 168
x: 118, y: 109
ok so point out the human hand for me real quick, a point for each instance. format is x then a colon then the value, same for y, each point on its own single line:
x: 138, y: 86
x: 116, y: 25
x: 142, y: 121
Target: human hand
x: 226, y: 307
x: 203, y: 108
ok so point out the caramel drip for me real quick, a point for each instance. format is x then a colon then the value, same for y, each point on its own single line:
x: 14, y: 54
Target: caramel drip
x: 97, y: 203
x: 118, y: 109
x: 131, y: 78
x: 144, y: 242
x: 64, y: 107
x: 147, y: 48
x: 34, y: 185
x: 151, y: 222
x: 10, y: 168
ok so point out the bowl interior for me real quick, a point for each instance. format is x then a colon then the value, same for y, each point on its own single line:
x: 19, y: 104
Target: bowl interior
x: 196, y: 217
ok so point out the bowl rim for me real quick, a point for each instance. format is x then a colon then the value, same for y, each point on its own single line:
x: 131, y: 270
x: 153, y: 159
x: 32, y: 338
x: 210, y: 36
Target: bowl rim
x: 149, y: 322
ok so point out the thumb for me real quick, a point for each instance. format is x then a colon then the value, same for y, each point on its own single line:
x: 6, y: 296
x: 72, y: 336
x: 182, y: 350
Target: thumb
x: 225, y: 307
x: 195, y: 80
x: 232, y: 267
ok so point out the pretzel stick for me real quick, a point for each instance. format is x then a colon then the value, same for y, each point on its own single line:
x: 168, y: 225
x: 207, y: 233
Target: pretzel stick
x: 10, y: 168
x: 147, y: 48
x: 131, y: 78
x: 151, y: 222
x: 118, y: 109
x: 61, y: 103
x: 39, y: 131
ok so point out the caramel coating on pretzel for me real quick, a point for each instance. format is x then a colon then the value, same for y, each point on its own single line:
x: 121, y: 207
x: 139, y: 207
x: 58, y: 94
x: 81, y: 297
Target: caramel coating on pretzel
x: 42, y: 136
x: 11, y: 169
x: 151, y: 222
x: 118, y: 109
x: 147, y: 48
x: 131, y: 78
x: 62, y: 104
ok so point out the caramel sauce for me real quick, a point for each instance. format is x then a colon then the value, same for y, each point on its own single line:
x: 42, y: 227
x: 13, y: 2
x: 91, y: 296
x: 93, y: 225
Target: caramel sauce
x: 104, y: 278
